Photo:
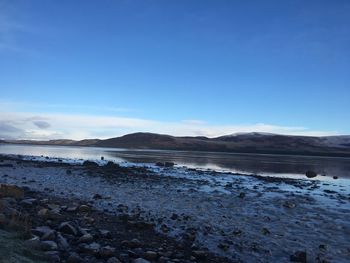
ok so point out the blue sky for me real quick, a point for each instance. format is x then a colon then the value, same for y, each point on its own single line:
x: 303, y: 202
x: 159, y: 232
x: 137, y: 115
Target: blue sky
x: 106, y: 68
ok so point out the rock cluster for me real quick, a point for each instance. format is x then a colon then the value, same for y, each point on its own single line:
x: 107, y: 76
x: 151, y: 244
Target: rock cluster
x: 71, y: 231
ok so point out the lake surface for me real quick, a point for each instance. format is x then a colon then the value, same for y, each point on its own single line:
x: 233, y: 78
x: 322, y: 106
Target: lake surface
x: 272, y: 165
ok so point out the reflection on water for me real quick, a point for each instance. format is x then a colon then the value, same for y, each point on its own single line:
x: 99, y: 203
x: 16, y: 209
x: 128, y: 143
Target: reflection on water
x: 241, y: 163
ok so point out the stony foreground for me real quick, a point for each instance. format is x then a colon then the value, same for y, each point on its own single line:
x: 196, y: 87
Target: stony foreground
x: 170, y: 214
x: 73, y: 231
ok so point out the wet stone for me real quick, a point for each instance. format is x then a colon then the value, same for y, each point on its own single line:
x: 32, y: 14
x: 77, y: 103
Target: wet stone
x: 67, y: 228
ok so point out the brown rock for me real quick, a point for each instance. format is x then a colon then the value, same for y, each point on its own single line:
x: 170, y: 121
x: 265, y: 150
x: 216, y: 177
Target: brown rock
x: 11, y: 191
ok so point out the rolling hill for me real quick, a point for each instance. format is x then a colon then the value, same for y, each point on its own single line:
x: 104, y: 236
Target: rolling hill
x: 243, y: 142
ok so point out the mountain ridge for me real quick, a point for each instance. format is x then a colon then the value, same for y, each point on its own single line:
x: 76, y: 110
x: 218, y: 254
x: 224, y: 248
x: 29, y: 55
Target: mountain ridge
x: 244, y: 142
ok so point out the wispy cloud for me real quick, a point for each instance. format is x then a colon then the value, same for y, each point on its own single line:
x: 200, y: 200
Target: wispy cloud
x: 36, y: 125
x: 61, y: 107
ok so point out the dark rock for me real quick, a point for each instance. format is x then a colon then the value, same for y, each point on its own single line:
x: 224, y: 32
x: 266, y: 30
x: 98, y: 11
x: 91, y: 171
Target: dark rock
x: 150, y: 255
x: 107, y: 251
x: 299, y: 256
x: 6, y: 165
x: 74, y: 258
x: 28, y: 202
x: 265, y: 231
x: 33, y: 243
x: 84, y: 208
x: 48, y: 245
x: 310, y: 174
x: 49, y: 235
x: 141, y: 260
x: 174, y: 216
x: 160, y: 164
x: 2, y: 219
x: 105, y: 233
x: 169, y: 164
x: 289, y: 204
x: 72, y: 208
x: 335, y: 177
x: 90, y: 164
x: 11, y: 191
x: 53, y: 256
x: 112, y: 166
x: 41, y: 230
x: 229, y: 185
x: 241, y: 195
x: 223, y: 246
x: 113, y: 260
x: 97, y: 196
x: 124, y: 257
x: 62, y: 242
x: 102, y: 158
x: 93, y: 248
x: 67, y: 228
x: 329, y: 191
x: 322, y: 247
x: 43, y: 212
x: 87, y: 238
x: 134, y: 243
x: 199, y: 254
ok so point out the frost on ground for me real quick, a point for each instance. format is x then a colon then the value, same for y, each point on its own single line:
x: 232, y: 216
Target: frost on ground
x: 247, y: 218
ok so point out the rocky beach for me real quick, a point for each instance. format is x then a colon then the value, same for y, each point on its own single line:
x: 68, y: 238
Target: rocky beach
x: 101, y: 211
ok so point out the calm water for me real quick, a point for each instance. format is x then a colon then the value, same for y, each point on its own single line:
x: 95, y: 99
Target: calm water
x: 275, y: 165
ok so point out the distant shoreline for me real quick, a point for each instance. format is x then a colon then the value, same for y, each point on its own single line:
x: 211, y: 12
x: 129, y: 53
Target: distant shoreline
x: 262, y: 152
